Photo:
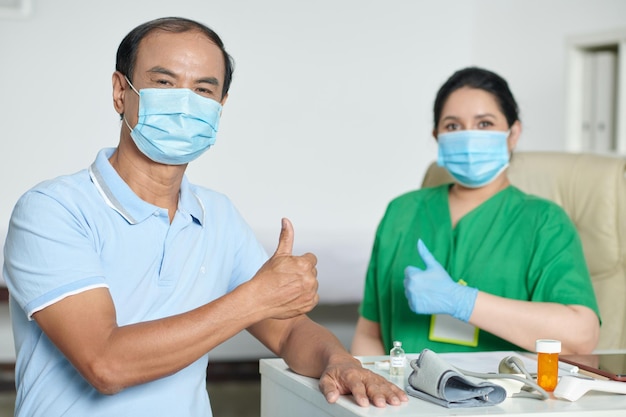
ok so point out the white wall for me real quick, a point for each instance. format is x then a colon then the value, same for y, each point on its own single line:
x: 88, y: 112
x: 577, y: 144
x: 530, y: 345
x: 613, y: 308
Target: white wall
x: 526, y: 42
x: 329, y: 115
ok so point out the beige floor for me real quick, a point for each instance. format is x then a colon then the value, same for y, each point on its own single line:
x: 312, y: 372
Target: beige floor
x: 225, y: 397
x: 7, y: 400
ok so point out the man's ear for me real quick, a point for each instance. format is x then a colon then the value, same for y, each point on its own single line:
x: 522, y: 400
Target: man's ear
x: 516, y: 131
x: 119, y: 87
x: 223, y: 100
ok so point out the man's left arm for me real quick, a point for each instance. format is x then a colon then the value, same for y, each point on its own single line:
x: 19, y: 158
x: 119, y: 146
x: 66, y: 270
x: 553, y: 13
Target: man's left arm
x: 312, y: 350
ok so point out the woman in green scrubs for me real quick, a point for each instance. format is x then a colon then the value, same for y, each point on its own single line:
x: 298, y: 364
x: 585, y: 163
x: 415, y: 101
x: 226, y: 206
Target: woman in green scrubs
x: 495, y: 268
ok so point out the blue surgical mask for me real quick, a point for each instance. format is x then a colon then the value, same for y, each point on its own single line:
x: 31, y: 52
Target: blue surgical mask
x: 175, y: 125
x: 474, y: 157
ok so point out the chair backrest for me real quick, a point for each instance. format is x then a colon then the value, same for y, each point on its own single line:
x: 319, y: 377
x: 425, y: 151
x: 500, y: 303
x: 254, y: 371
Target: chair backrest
x: 592, y: 190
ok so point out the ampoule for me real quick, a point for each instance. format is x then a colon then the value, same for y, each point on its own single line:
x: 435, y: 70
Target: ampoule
x: 397, y: 359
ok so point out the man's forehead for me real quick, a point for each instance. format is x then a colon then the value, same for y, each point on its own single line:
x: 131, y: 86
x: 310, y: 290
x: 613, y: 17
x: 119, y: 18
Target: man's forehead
x: 157, y: 37
x: 157, y: 42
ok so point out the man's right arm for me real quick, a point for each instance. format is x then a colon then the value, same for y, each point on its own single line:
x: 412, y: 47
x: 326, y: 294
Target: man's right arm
x: 111, y: 357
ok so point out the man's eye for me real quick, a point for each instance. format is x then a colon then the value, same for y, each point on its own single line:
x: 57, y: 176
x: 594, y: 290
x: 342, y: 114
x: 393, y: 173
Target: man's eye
x: 204, y: 92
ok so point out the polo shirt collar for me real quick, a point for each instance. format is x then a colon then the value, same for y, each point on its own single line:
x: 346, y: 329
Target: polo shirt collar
x: 120, y: 197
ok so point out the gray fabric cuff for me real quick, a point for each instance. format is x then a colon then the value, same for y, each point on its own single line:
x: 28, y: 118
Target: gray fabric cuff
x: 435, y: 380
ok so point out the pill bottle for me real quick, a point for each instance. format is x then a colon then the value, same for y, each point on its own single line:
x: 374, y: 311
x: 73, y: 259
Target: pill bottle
x: 547, y: 363
x: 397, y: 359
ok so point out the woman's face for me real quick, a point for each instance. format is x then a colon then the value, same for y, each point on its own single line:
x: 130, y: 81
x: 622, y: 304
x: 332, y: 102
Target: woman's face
x: 471, y: 109
x: 475, y: 109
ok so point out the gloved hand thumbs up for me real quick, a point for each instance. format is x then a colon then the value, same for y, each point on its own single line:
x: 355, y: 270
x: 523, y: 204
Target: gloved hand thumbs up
x: 427, y: 257
x: 432, y: 291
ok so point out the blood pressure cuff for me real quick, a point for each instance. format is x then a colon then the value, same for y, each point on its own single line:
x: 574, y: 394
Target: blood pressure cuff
x: 435, y: 380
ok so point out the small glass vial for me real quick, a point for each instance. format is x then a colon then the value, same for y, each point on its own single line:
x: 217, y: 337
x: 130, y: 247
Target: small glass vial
x: 397, y: 359
x: 548, y: 363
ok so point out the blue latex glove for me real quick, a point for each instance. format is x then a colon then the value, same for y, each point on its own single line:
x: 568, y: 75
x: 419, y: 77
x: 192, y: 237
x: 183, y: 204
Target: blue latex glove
x: 432, y: 291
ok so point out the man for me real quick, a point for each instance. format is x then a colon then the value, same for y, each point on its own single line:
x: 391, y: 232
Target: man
x: 124, y: 276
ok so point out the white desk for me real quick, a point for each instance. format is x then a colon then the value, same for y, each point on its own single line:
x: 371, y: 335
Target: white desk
x: 287, y: 394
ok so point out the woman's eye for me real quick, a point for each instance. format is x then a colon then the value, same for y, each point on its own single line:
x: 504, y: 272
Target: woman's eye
x: 452, y: 126
x: 485, y: 124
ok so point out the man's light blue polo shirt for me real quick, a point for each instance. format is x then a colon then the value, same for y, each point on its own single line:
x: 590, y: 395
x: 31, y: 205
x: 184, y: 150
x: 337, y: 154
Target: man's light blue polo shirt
x: 89, y: 230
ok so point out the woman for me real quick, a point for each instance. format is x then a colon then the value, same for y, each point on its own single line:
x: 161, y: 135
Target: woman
x: 476, y: 264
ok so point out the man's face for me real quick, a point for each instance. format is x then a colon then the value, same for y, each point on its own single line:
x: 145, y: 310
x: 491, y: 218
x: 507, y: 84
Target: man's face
x: 176, y: 60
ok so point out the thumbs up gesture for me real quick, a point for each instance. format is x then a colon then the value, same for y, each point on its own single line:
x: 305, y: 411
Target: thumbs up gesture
x: 287, y: 284
x: 432, y: 291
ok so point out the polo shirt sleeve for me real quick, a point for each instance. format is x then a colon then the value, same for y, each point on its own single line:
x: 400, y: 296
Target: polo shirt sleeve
x: 250, y: 254
x: 49, y: 253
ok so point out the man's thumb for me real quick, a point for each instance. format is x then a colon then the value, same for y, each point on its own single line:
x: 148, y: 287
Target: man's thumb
x: 285, y: 240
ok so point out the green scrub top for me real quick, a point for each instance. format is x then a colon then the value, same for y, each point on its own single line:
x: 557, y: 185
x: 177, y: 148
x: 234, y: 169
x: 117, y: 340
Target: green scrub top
x: 513, y: 245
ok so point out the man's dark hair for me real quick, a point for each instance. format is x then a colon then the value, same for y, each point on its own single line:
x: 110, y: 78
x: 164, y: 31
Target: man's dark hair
x: 127, y: 51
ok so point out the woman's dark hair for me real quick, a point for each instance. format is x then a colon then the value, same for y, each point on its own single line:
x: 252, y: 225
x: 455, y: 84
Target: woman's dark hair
x: 127, y: 51
x: 482, y: 79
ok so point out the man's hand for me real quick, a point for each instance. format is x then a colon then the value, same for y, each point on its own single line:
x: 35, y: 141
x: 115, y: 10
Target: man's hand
x: 365, y: 386
x: 432, y: 291
x: 287, y: 284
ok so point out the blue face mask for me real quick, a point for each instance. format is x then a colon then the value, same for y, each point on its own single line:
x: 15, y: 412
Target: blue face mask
x: 474, y: 157
x: 175, y: 125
